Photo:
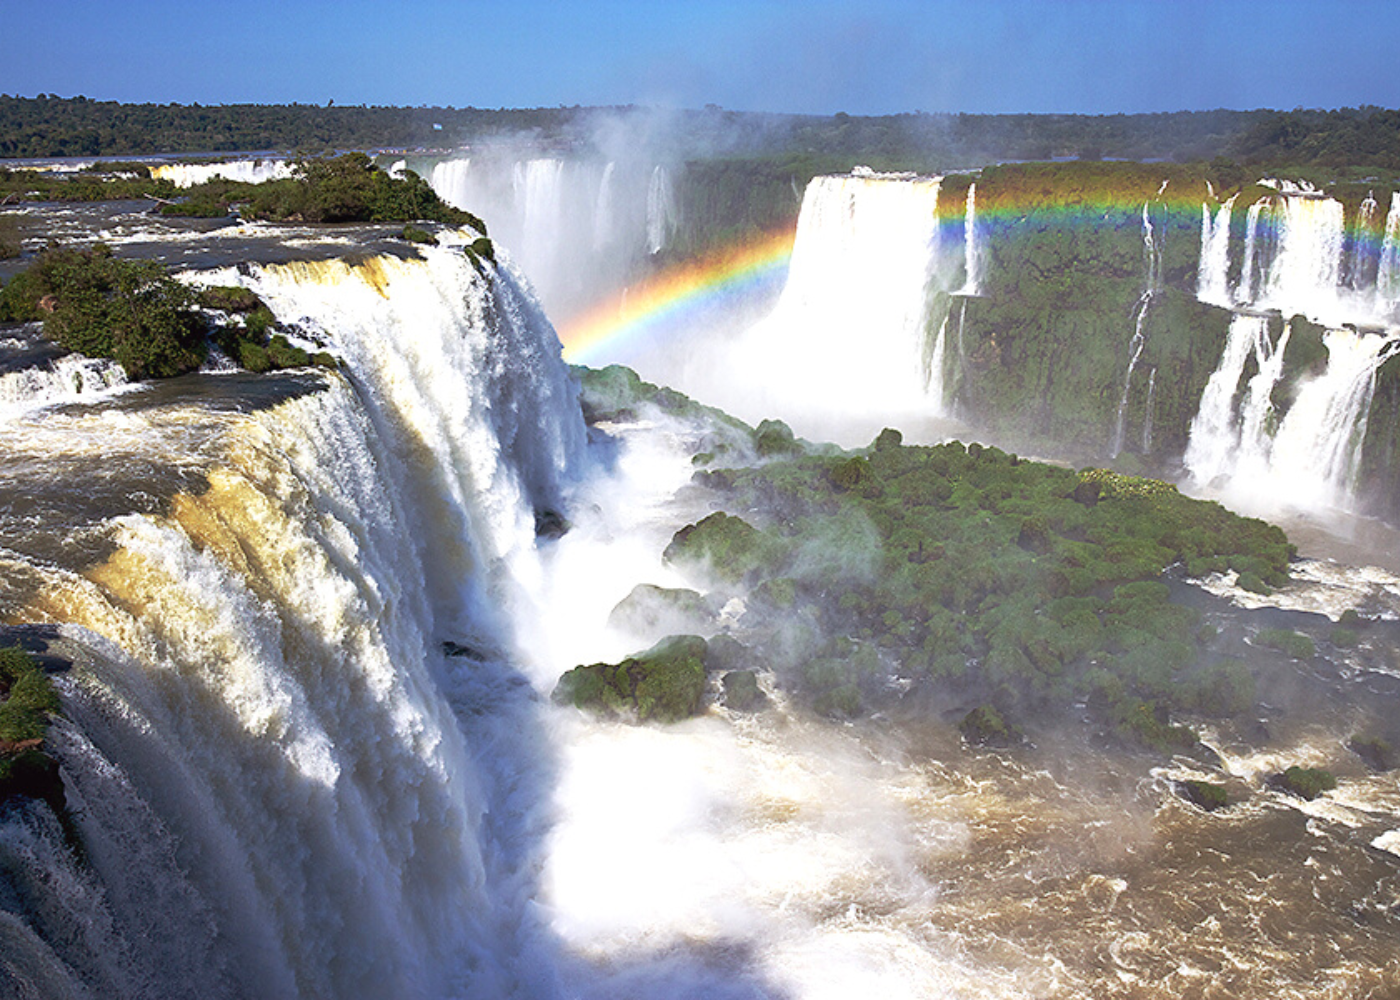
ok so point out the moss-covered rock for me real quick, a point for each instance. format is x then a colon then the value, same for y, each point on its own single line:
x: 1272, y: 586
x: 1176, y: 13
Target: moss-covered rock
x: 27, y: 700
x: 664, y: 684
x: 729, y: 547
x: 650, y: 609
x: 1304, y: 782
x: 1378, y: 753
x: 1205, y: 794
x: 741, y: 692
x: 1294, y: 644
x: 984, y: 726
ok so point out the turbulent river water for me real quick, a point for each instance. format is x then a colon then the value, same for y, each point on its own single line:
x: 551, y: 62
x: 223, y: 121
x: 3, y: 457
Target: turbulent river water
x: 308, y: 748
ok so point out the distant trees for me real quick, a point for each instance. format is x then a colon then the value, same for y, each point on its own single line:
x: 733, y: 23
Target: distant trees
x: 47, y: 125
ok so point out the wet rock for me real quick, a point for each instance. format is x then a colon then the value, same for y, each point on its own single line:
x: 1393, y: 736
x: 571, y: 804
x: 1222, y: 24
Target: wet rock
x: 741, y: 691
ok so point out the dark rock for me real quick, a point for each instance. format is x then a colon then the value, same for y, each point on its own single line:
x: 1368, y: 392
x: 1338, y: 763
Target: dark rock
x: 1204, y: 794
x: 741, y: 691
x: 1378, y: 753
x: 1304, y: 782
x: 985, y: 727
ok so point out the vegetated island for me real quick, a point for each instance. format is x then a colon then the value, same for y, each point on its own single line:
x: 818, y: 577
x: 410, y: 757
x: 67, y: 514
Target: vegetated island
x: 945, y: 575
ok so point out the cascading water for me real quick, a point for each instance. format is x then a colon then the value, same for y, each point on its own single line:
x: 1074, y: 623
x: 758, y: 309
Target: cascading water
x: 1152, y: 265
x: 282, y: 785
x: 972, y: 247
x: 576, y: 227
x: 244, y: 171
x: 1212, y: 281
x: 850, y: 335
x: 661, y: 209
x: 1298, y: 259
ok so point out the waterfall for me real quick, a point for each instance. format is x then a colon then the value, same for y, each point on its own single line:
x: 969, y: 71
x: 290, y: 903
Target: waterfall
x: 661, y: 209
x: 604, y: 221
x: 282, y: 785
x: 1316, y: 451
x: 243, y: 171
x: 1248, y: 280
x: 1305, y: 458
x: 1152, y: 266
x: 1388, y: 270
x: 1147, y: 415
x: 1306, y: 269
x: 850, y: 332
x: 972, y: 249
x: 1214, y: 437
x: 1212, y: 274
x: 577, y: 228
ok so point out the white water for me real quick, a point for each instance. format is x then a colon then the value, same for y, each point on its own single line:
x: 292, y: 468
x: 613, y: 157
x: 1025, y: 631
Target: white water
x: 577, y: 228
x: 972, y: 246
x: 283, y: 786
x: 69, y: 379
x: 846, y: 350
x: 1303, y: 457
x: 1152, y: 279
x: 1211, y: 276
x: 245, y: 171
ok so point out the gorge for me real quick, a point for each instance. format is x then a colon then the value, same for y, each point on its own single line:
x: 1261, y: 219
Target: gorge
x: 305, y: 626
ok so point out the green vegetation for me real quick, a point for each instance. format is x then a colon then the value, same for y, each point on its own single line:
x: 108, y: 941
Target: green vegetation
x: 1204, y: 794
x: 741, y: 692
x: 27, y: 699
x: 665, y: 684
x: 135, y: 313
x: 1021, y: 586
x: 1378, y: 753
x: 1295, y: 644
x: 985, y: 727
x: 9, y: 237
x: 617, y: 393
x: 346, y: 188
x: 107, y: 307
x: 1305, y: 782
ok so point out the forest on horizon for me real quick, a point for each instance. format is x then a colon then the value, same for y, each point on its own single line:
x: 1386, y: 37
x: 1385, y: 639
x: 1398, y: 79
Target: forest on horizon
x: 52, y: 126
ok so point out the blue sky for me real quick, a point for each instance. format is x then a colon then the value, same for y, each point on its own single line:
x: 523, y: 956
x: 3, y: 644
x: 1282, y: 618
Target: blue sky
x: 870, y: 57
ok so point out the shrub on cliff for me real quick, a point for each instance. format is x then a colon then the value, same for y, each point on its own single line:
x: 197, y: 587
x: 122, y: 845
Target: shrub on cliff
x: 107, y: 307
x: 27, y: 699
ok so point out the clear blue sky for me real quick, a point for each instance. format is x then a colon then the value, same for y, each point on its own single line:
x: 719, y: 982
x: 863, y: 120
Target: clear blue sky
x: 868, y: 57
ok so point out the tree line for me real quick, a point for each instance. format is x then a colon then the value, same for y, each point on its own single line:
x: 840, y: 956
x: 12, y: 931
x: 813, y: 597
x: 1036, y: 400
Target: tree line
x: 49, y: 126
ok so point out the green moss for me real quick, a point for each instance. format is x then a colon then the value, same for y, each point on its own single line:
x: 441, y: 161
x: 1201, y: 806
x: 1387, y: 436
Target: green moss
x: 27, y: 700
x: 1295, y: 644
x: 741, y: 691
x: 664, y: 684
x: 729, y: 547
x: 1306, y: 782
x: 417, y: 234
x: 1205, y: 794
x: 985, y: 727
x: 1378, y: 753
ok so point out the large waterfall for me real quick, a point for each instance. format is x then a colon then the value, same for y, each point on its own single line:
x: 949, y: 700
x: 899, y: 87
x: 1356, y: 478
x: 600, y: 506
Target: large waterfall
x: 282, y: 784
x: 1301, y: 449
x: 577, y: 227
x: 855, y: 337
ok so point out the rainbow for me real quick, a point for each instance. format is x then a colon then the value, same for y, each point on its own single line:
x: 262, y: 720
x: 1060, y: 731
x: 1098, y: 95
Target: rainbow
x: 674, y: 294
